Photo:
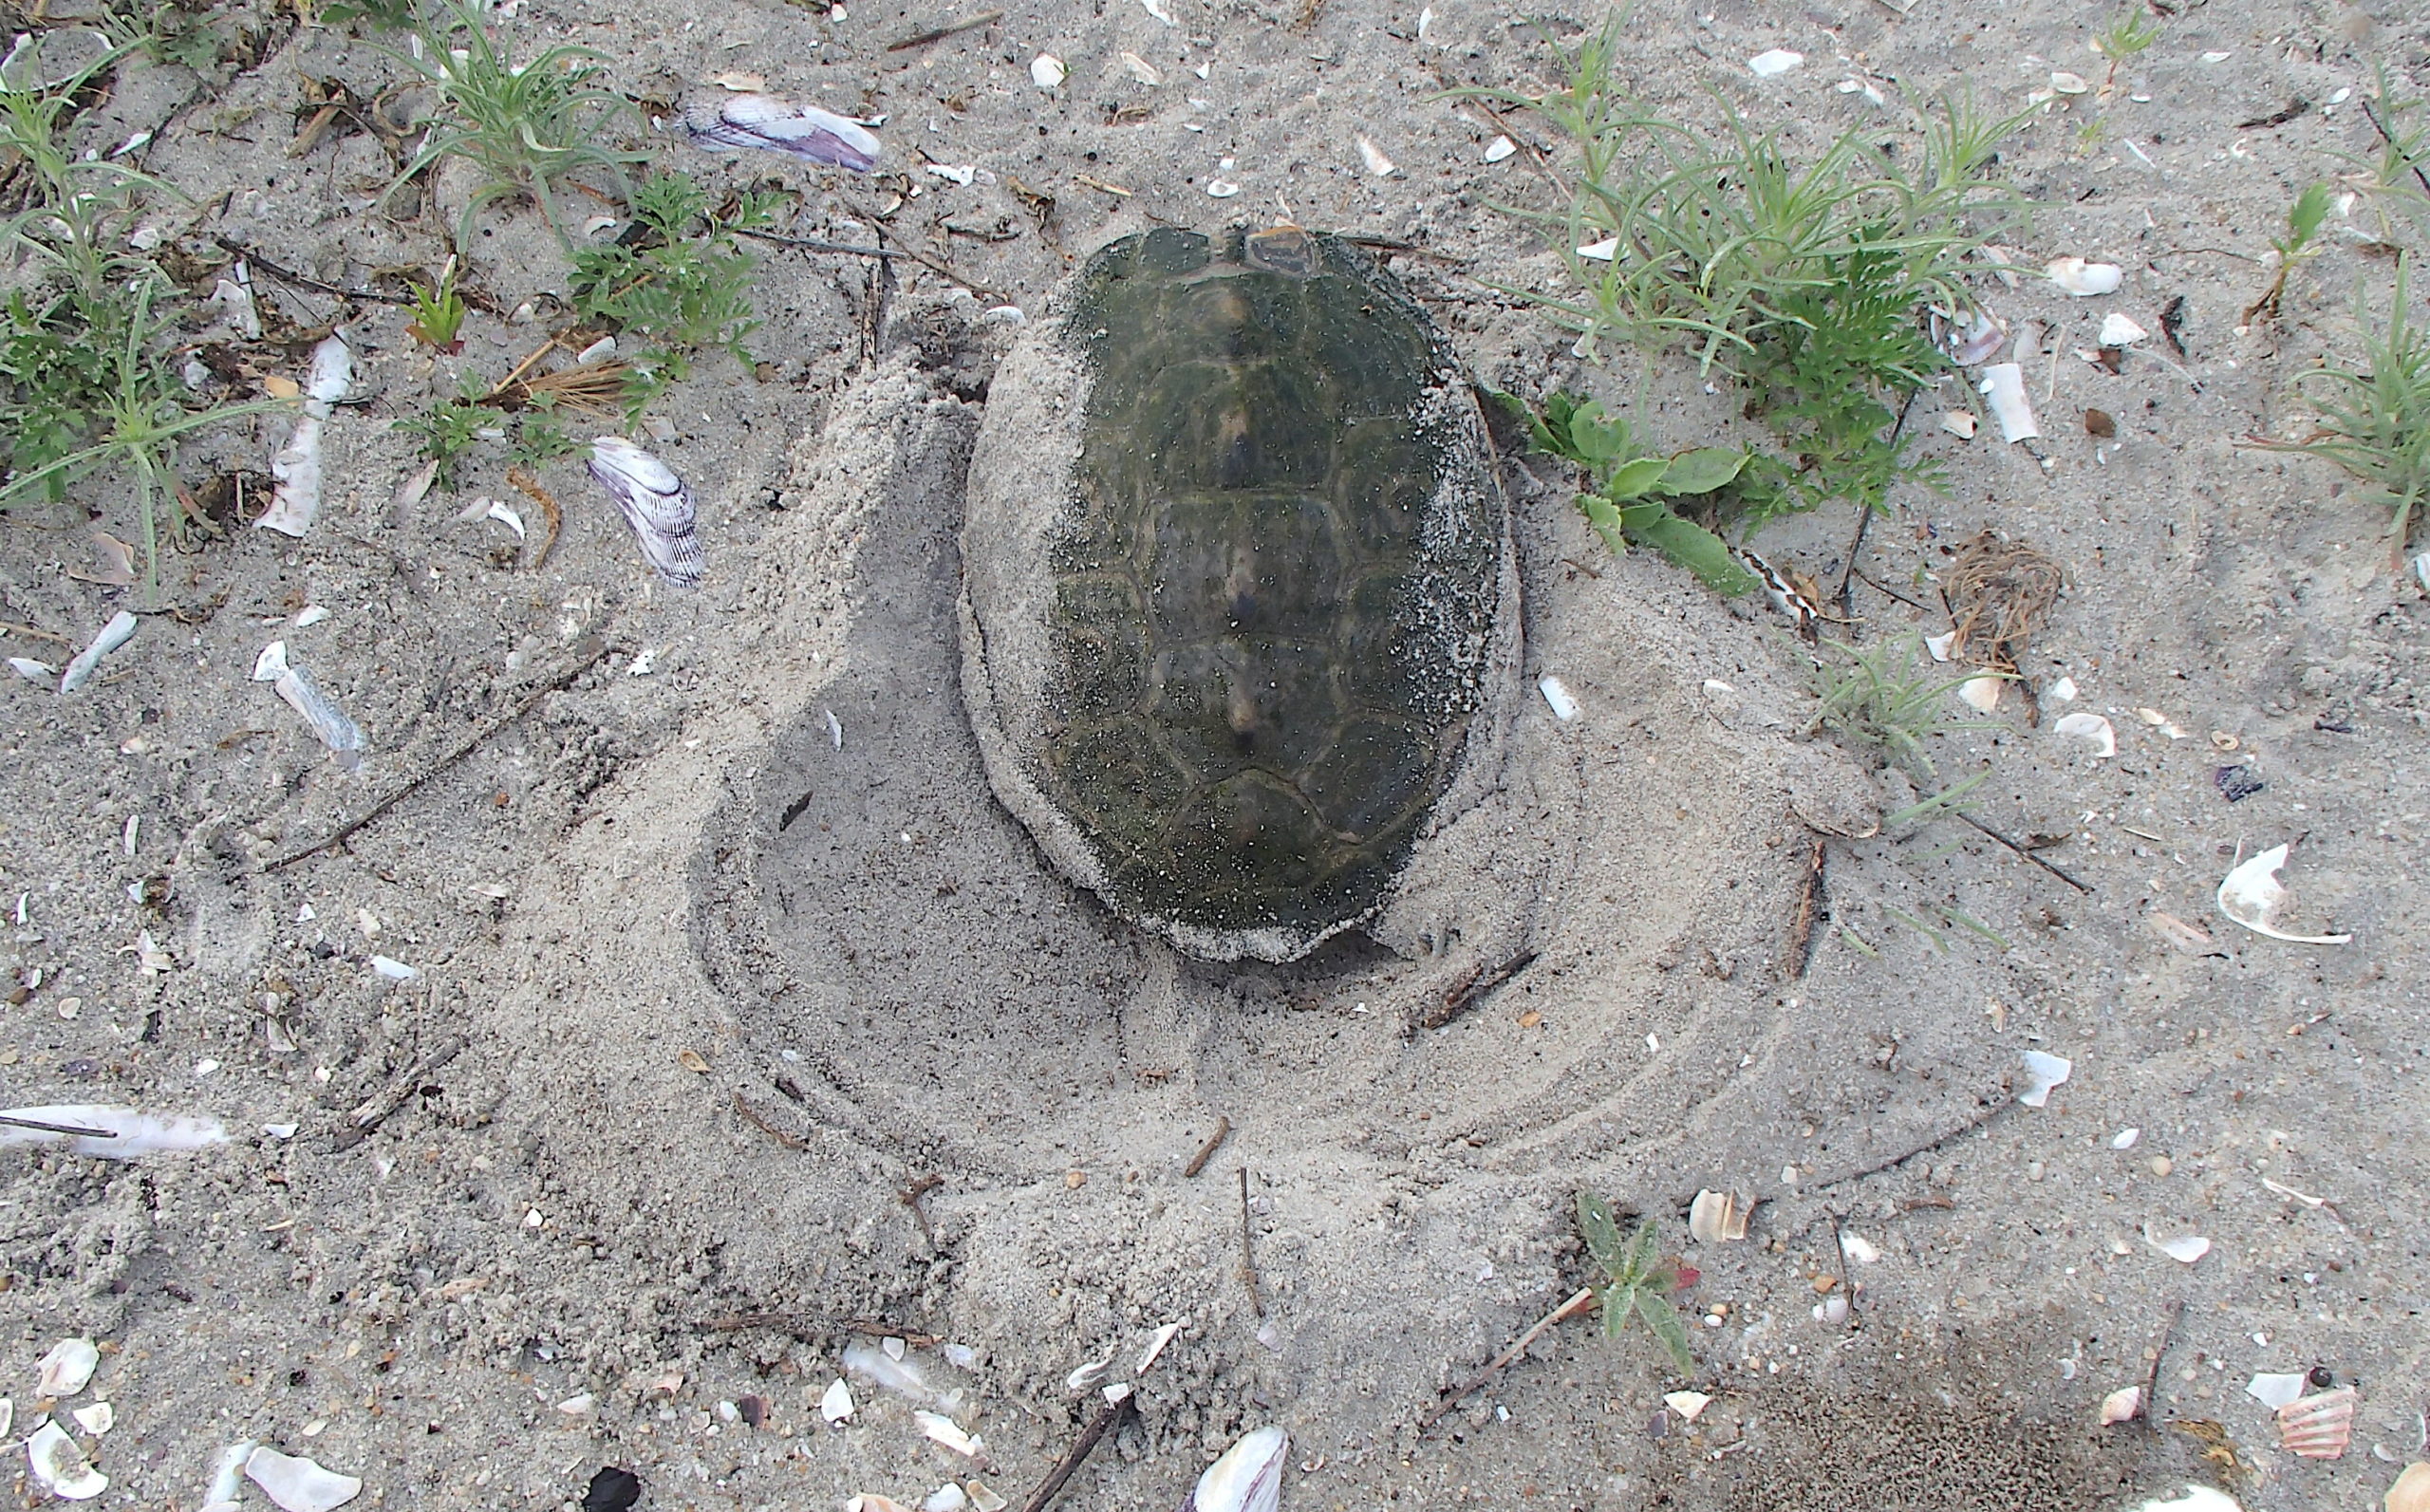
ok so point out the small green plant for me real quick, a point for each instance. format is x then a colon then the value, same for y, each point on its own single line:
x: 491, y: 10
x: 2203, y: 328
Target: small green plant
x: 2399, y: 175
x: 679, y: 284
x: 1636, y: 1281
x: 76, y: 205
x: 2300, y: 244
x: 2375, y: 423
x: 450, y: 432
x: 1628, y: 493
x: 1877, y: 699
x: 438, y: 312
x: 529, y: 128
x: 2130, y: 34
x: 381, y: 16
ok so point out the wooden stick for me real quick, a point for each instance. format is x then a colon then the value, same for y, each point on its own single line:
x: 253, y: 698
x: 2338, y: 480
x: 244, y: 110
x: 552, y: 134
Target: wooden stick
x: 2150, y: 1402
x: 1809, y: 901
x: 1099, y: 1428
x: 388, y: 1099
x: 2023, y: 851
x: 813, y: 1325
x: 921, y: 39
x: 11, y: 627
x: 1578, y: 1302
x: 1207, y: 1152
x: 1249, y: 1262
x: 39, y: 1127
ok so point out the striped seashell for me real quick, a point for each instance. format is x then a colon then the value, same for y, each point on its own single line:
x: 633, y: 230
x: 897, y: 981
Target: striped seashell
x: 2318, y: 1426
x: 656, y: 504
x: 773, y: 124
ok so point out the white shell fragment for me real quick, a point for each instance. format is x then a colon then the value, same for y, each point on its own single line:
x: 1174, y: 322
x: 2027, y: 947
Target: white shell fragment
x: 119, y: 629
x: 121, y: 1133
x: 1979, y: 341
x: 2184, y: 1248
x: 96, y: 1419
x: 1248, y: 1477
x: 2043, y: 1072
x: 1499, y: 148
x: 2068, y: 83
x: 1687, y: 1404
x: 1601, y: 251
x: 946, y: 1498
x: 2196, y: 1499
x: 2003, y: 389
x: 835, y: 1404
x: 296, y: 688
x: 1774, y: 63
x: 2125, y: 1138
x: 1047, y: 71
x: 982, y: 1498
x: 1142, y: 69
x: 2276, y: 1388
x: 2252, y: 894
x: 1982, y: 692
x: 31, y: 670
x: 1557, y: 697
x: 775, y: 125
x: 2121, y: 1404
x: 1959, y: 422
x: 656, y: 504
x: 949, y: 1433
x: 297, y: 466
x: 2318, y: 1427
x: 59, y: 1466
x: 2083, y: 279
x: 299, y: 1482
x: 2091, y: 728
x: 1157, y: 1343
x: 2117, y: 331
x: 1158, y: 10
x: 1372, y: 156
x: 68, y: 1368
x: 1716, y: 1217
x: 1091, y: 1374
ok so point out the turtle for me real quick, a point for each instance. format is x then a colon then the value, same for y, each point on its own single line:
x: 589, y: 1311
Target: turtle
x: 1240, y: 603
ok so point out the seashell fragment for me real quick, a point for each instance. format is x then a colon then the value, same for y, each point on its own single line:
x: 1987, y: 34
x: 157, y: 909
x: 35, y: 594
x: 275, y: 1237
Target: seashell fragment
x: 1047, y: 71
x: 2411, y: 1492
x: 946, y: 1498
x: 2124, y: 1138
x: 2003, y: 389
x: 1142, y: 69
x: 1774, y: 63
x: 2092, y: 728
x: 1979, y: 341
x: 2251, y: 894
x: 2081, y: 279
x: 1601, y: 251
x: 949, y: 1433
x: 1557, y: 697
x: 1716, y: 1217
x: 96, y: 1419
x: 2121, y: 1404
x: 2318, y: 1426
x: 1157, y: 1343
x: 2117, y: 331
x: 982, y: 1498
x: 2043, y: 1072
x: 1499, y: 148
x: 2196, y: 1499
x: 68, y: 1368
x: 2068, y: 83
x: 119, y: 629
x: 835, y: 1404
x: 2184, y: 1248
x: 297, y: 466
x: 120, y: 1133
x: 299, y: 1482
x: 865, y: 1359
x: 296, y: 688
x: 656, y: 504
x: 59, y: 1466
x: 775, y: 125
x: 1981, y: 693
x: 1372, y: 156
x: 1960, y: 423
x: 1220, y: 189
x: 1090, y: 1373
x: 1248, y: 1477
x: 1687, y: 1404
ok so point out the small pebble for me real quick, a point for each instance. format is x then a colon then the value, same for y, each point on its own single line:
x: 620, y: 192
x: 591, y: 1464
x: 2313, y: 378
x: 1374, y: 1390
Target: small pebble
x: 2162, y: 1164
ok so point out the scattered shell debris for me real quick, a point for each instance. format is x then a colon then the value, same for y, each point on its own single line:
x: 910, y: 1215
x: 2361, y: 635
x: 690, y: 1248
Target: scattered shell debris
x: 68, y: 1368
x: 296, y: 688
x: 2318, y: 1426
x: 297, y: 466
x: 1771, y: 63
x: 2044, y: 1072
x: 2093, y: 729
x: 2081, y: 279
x: 119, y: 629
x: 773, y: 123
x: 2251, y: 895
x: 59, y: 1464
x: 1557, y: 697
x: 299, y: 1482
x: 656, y: 504
x: 1246, y: 1478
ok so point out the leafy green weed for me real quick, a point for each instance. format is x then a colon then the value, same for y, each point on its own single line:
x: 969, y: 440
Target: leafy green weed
x: 1636, y: 1281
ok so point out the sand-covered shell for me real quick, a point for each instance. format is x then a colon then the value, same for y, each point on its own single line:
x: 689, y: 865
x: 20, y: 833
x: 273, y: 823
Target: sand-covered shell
x: 58, y: 1464
x: 2318, y: 1426
x: 656, y: 504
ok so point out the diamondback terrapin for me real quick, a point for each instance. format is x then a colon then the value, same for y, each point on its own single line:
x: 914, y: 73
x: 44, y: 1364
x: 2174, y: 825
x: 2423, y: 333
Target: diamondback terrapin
x: 1240, y: 607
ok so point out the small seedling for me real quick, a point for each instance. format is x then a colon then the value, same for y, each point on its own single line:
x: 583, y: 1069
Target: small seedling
x: 1629, y: 492
x: 2131, y: 33
x: 450, y: 432
x: 2300, y: 243
x: 2375, y: 423
x: 529, y: 128
x: 438, y: 312
x: 678, y: 282
x: 1636, y: 1280
x: 1878, y: 701
x: 2399, y: 175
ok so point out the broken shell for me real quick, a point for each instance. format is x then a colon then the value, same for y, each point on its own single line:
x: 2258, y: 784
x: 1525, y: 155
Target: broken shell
x: 68, y: 1368
x: 655, y: 503
x: 2411, y: 1492
x: 1832, y: 1309
x: 780, y: 126
x: 2083, y: 279
x: 2121, y: 1404
x: 1959, y: 422
x: 1601, y: 251
x: 2184, y: 1248
x: 1142, y: 69
x: 2196, y: 1499
x: 96, y: 1419
x: 2251, y: 894
x: 1046, y: 71
x: 2043, y: 1072
x: 1716, y: 1217
x: 1499, y: 148
x: 1248, y: 1477
x: 299, y: 1482
x: 119, y: 629
x: 1557, y: 697
x: 1372, y: 156
x: 835, y: 1406
x: 2092, y: 728
x: 2003, y: 390
x: 120, y: 1133
x: 946, y: 1498
x: 59, y: 1467
x: 2318, y: 1426
x: 1157, y: 1343
x: 1982, y: 692
x: 2117, y: 331
x: 949, y: 1433
x: 297, y: 466
x: 1687, y: 1404
x: 1220, y: 189
x: 296, y: 688
x: 1773, y: 64
x: 1979, y: 341
x: 1091, y: 1374
x: 2124, y: 1138
x: 2068, y: 83
x: 982, y: 1498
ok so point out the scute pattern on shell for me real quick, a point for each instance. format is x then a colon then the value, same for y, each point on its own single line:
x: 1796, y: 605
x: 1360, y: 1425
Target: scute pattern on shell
x: 1264, y: 613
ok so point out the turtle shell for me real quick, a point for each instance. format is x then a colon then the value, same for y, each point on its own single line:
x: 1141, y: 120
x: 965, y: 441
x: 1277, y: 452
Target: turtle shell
x: 1238, y: 586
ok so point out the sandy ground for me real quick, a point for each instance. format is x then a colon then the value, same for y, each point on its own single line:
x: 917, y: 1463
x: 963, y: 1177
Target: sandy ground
x: 722, y: 948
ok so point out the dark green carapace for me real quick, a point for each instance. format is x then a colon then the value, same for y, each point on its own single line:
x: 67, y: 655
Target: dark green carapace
x: 1272, y: 592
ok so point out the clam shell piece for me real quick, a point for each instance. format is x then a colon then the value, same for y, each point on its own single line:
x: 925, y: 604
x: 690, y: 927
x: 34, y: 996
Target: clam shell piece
x: 299, y: 1482
x: 1715, y: 1217
x: 68, y: 1368
x: 2252, y: 895
x: 59, y: 1466
x: 1248, y: 1478
x: 780, y: 126
x: 2319, y: 1426
x: 2411, y: 1492
x: 656, y: 504
x: 2084, y: 280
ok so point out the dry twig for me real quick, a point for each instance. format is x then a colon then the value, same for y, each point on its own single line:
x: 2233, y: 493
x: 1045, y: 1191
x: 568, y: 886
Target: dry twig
x: 1578, y: 1301
x: 1207, y: 1152
x: 1099, y: 1428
